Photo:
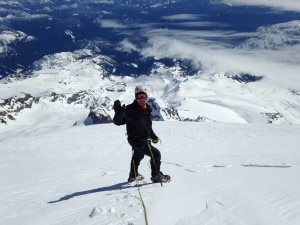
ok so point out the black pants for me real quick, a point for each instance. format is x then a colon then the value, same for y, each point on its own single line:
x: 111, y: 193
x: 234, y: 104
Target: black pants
x: 138, y: 155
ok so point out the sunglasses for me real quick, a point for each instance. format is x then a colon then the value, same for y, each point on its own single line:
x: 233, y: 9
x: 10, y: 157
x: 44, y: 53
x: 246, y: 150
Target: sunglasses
x: 142, y: 96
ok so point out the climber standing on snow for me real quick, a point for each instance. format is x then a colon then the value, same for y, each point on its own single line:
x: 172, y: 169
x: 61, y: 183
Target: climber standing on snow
x: 138, y: 120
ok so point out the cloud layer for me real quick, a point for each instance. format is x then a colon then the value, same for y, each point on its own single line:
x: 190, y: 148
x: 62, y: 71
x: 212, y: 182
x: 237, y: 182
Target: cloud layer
x: 211, y: 51
x: 290, y: 5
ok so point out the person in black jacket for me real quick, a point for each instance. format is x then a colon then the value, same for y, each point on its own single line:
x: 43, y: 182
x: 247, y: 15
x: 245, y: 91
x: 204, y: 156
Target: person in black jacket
x: 138, y: 120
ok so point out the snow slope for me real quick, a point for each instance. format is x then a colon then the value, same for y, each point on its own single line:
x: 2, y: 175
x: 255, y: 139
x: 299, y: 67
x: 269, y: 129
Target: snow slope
x: 222, y: 173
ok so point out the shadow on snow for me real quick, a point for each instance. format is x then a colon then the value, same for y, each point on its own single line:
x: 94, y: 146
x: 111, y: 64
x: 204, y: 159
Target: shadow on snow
x: 119, y: 186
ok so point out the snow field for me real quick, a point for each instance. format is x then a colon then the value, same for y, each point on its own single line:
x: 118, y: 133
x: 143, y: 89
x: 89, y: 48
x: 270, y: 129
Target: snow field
x: 221, y: 174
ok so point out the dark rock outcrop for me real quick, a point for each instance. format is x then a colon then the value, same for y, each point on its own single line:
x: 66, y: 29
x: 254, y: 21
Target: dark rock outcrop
x: 97, y: 116
x: 10, y: 107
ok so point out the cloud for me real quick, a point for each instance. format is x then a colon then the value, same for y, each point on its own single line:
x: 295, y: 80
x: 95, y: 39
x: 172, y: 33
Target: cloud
x: 23, y: 16
x: 289, y: 5
x: 201, y: 24
x: 215, y: 39
x: 213, y: 52
x: 110, y: 24
x: 10, y: 3
x: 127, y: 46
x: 100, y: 1
x: 183, y: 17
x: 9, y: 37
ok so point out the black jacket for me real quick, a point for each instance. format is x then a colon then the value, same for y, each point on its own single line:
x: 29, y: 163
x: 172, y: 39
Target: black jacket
x: 138, y: 124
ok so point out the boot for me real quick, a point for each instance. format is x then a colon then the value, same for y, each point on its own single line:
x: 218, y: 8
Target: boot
x: 135, y: 178
x: 161, y: 178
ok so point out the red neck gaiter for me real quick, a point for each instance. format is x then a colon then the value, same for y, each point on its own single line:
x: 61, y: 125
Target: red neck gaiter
x: 143, y: 107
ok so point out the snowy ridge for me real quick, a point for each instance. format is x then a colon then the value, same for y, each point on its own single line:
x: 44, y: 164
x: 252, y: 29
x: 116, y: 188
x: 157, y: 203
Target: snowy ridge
x: 275, y: 37
x: 81, y: 79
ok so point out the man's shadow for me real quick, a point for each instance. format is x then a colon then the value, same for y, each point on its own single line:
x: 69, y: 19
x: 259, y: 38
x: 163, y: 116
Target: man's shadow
x: 119, y: 186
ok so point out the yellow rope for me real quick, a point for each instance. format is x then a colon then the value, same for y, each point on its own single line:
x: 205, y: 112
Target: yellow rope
x: 140, y: 194
x: 138, y: 187
x: 152, y: 158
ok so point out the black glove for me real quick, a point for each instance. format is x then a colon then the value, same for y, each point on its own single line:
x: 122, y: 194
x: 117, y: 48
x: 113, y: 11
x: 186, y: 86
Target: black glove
x: 117, y: 107
x: 155, y: 140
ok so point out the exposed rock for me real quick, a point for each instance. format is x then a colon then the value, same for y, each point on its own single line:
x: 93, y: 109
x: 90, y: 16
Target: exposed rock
x: 171, y: 113
x: 198, y: 119
x: 54, y: 97
x: 97, y: 116
x: 10, y: 107
x: 244, y: 77
x: 116, y: 87
x: 273, y: 117
x: 295, y: 92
